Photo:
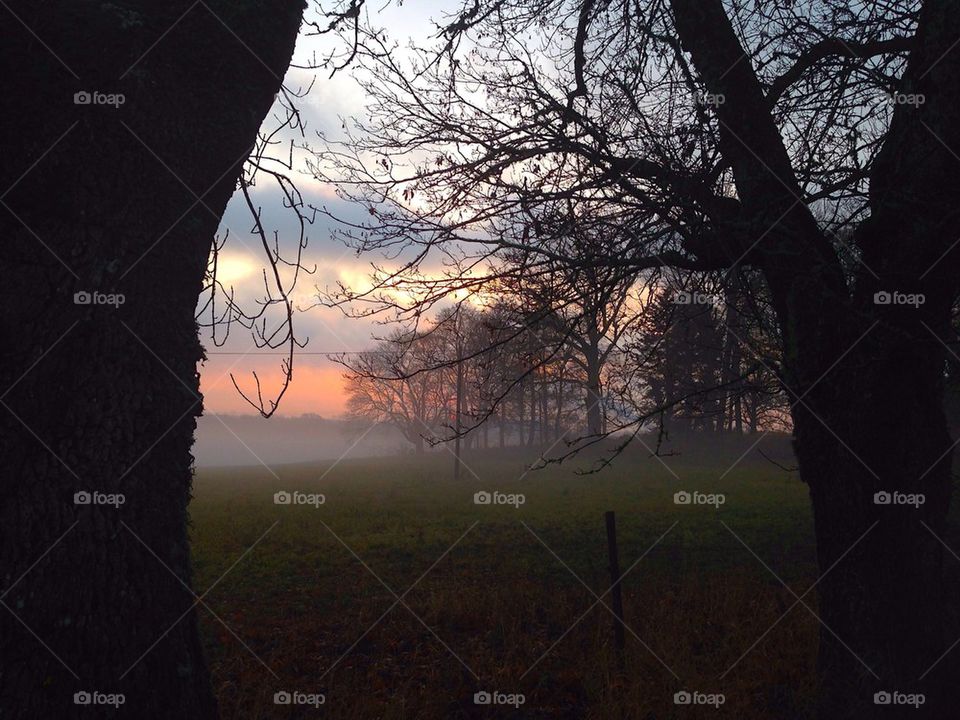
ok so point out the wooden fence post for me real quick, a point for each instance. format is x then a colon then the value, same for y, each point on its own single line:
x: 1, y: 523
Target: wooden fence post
x: 618, y: 634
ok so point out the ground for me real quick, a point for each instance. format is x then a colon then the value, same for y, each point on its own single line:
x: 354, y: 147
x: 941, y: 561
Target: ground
x: 502, y: 609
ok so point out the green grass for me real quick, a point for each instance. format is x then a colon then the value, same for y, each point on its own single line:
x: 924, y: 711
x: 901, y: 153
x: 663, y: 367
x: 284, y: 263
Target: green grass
x: 500, y: 599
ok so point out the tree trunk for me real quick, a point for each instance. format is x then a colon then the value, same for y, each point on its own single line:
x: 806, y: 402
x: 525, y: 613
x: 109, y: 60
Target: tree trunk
x: 557, y: 431
x: 882, y: 595
x: 458, y: 421
x: 738, y: 412
x: 103, y: 398
x: 593, y: 403
x: 753, y: 412
x: 522, y: 413
x: 532, y: 430
x: 544, y: 413
x: 873, y: 422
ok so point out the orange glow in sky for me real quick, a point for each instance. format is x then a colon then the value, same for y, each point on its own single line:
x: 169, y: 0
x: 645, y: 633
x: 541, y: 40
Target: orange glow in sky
x: 315, y: 389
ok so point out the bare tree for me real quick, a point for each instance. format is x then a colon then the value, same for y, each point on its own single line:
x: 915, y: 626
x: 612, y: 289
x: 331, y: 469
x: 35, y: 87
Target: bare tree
x: 133, y: 128
x: 584, y: 305
x: 813, y: 142
x: 402, y: 382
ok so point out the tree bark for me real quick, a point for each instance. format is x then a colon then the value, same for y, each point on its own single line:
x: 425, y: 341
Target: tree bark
x: 522, y: 412
x: 103, y: 398
x: 592, y: 401
x: 881, y: 594
x: 544, y: 411
x: 866, y: 380
x: 558, y: 417
x: 753, y: 411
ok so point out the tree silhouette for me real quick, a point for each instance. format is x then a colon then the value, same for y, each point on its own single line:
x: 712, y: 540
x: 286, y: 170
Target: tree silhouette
x: 814, y: 143
x: 133, y: 125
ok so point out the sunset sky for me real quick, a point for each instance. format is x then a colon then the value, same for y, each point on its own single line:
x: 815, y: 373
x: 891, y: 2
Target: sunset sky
x: 317, y: 386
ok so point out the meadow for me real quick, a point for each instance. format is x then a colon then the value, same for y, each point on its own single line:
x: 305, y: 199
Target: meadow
x: 504, y: 597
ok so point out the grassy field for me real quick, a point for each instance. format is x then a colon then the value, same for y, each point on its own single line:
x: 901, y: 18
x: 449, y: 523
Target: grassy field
x: 496, y: 603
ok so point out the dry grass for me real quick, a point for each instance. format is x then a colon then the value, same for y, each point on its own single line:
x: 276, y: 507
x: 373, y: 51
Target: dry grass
x: 500, y: 600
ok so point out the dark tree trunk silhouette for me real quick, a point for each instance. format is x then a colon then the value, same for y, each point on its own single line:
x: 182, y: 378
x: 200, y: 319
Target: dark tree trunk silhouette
x: 532, y: 427
x: 866, y: 379
x: 884, y: 598
x: 558, y: 415
x: 544, y: 408
x: 522, y: 413
x: 125, y: 199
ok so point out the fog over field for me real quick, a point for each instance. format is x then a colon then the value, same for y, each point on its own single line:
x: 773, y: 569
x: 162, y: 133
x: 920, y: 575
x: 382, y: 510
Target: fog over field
x: 235, y: 440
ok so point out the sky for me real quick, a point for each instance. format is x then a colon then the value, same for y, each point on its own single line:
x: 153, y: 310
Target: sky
x: 317, y: 381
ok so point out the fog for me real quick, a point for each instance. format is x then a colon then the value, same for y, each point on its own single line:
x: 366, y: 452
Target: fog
x: 233, y: 440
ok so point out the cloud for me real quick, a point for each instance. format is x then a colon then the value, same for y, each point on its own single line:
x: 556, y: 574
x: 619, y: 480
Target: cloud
x: 317, y: 385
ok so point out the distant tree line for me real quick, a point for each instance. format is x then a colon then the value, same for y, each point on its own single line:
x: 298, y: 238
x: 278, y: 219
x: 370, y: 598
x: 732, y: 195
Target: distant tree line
x: 547, y: 360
